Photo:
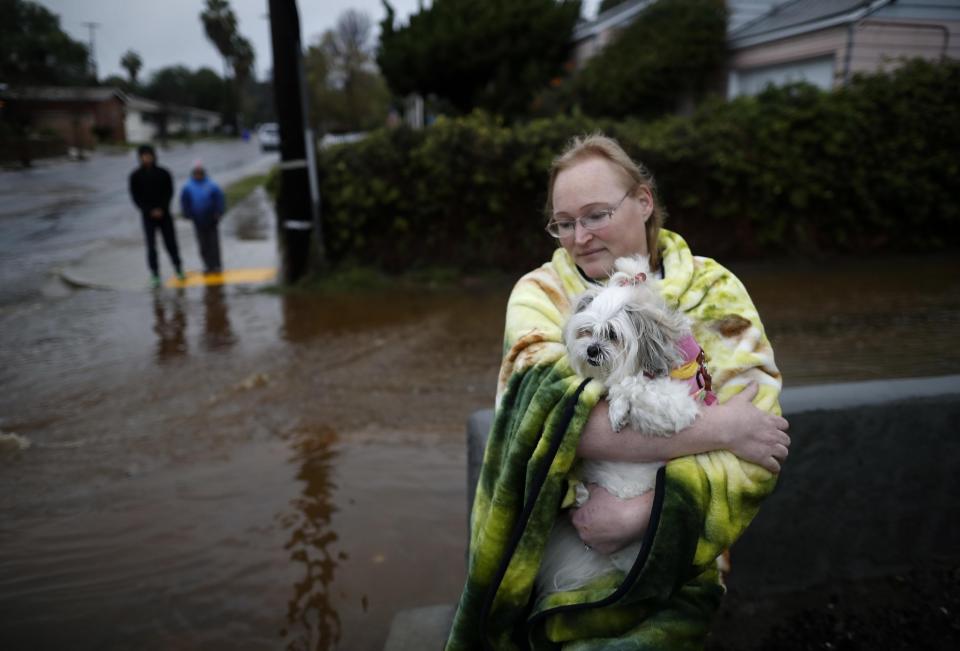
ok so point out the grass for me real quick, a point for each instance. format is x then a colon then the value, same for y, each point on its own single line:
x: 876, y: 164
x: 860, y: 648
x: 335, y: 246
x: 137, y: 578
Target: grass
x: 239, y: 190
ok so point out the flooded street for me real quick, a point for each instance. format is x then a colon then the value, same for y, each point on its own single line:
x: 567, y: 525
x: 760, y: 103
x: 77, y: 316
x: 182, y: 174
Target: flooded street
x: 229, y: 468
x: 219, y: 466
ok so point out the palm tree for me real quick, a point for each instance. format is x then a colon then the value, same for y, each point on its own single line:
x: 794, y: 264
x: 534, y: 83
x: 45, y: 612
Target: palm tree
x: 220, y: 26
x: 242, y: 59
x: 132, y: 62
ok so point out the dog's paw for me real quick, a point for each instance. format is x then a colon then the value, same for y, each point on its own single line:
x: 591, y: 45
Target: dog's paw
x: 618, y: 412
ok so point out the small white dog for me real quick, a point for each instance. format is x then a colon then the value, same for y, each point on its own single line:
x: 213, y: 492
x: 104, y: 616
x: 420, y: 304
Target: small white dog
x: 627, y: 337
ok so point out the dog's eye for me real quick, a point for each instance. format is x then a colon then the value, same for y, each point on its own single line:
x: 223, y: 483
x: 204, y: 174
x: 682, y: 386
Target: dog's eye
x: 611, y: 334
x: 584, y: 332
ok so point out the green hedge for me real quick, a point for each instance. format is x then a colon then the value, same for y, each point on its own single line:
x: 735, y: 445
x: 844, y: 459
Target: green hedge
x: 672, y: 54
x: 872, y: 167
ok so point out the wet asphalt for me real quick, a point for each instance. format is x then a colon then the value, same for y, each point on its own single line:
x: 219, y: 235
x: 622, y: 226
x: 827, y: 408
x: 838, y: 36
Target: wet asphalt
x: 58, y: 210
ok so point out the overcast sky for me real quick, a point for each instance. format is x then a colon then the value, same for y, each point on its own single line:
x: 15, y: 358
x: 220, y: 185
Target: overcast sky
x: 169, y: 32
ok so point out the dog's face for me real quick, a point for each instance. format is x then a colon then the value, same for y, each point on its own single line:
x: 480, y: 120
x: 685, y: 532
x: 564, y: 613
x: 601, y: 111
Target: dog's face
x: 620, y: 331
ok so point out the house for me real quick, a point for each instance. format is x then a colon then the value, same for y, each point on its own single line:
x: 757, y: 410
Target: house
x: 146, y: 120
x: 186, y: 120
x: 824, y: 42
x: 85, y: 116
x: 143, y: 119
x: 80, y: 116
x: 590, y: 36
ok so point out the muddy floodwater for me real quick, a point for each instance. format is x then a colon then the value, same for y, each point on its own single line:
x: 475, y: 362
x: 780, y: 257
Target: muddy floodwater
x: 218, y: 468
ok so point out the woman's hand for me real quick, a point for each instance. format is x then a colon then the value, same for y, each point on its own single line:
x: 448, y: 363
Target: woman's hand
x: 737, y: 425
x: 607, y: 523
x: 748, y: 432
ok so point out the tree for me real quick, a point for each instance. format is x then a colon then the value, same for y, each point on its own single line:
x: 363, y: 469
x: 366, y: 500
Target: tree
x: 35, y: 50
x: 670, y: 55
x: 206, y: 89
x: 220, y: 26
x: 179, y: 85
x: 132, y: 63
x: 242, y: 59
x: 495, y: 54
x: 347, y: 92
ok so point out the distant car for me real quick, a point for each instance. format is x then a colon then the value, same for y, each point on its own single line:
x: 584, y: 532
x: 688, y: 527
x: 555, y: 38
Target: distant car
x: 268, y: 135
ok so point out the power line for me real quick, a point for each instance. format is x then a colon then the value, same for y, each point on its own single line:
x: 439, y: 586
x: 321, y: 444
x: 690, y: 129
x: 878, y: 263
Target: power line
x: 93, y: 57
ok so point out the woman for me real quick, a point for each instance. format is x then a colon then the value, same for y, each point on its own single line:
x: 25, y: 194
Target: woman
x: 601, y: 206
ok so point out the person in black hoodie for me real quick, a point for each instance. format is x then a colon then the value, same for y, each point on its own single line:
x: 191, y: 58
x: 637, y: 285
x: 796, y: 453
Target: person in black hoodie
x: 151, y: 188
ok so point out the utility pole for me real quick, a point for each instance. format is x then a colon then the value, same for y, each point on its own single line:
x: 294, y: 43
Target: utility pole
x: 93, y: 56
x: 298, y: 204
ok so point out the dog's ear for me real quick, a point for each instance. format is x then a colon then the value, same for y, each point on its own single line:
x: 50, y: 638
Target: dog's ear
x: 657, y: 335
x: 584, y: 300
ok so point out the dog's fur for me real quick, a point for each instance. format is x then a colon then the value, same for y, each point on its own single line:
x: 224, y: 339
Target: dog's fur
x: 627, y: 337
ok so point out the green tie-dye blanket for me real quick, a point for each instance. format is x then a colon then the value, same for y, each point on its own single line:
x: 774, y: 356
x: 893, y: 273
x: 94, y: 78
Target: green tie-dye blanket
x: 702, y: 503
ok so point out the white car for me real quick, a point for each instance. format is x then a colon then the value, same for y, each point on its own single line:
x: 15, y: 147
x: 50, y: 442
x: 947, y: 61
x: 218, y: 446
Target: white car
x: 268, y: 135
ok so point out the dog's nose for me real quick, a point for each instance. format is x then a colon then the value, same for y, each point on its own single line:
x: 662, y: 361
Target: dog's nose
x: 593, y: 352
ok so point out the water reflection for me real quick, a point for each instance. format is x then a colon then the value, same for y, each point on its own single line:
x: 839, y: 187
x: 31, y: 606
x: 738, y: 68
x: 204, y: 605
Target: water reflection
x: 170, y: 325
x: 310, y: 315
x: 217, y: 333
x: 300, y: 322
x: 312, y: 622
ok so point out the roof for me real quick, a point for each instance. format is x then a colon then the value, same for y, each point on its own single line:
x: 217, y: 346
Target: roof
x: 800, y: 17
x: 138, y: 103
x: 741, y: 12
x: 65, y: 93
x: 98, y: 94
x: 751, y: 22
x: 144, y: 105
x: 619, y: 15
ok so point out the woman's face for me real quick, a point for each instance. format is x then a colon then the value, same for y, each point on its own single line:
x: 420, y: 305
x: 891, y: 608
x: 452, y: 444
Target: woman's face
x: 594, y: 184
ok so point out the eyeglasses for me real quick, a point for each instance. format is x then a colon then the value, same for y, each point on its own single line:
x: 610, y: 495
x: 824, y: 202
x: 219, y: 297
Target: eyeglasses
x: 565, y: 228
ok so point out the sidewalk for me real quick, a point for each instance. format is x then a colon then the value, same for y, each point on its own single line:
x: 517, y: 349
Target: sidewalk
x: 247, y: 241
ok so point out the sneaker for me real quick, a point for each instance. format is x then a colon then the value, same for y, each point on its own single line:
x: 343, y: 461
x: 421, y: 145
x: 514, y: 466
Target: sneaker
x: 155, y: 282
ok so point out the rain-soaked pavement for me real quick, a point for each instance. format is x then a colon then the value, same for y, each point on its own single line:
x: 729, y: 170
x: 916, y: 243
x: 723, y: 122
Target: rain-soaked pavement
x: 57, y: 211
x: 224, y: 467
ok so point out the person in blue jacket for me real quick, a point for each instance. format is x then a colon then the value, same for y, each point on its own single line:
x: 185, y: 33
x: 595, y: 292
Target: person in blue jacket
x: 203, y: 203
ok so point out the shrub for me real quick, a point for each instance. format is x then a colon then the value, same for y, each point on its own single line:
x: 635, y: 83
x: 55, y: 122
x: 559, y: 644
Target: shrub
x: 669, y: 56
x: 871, y: 167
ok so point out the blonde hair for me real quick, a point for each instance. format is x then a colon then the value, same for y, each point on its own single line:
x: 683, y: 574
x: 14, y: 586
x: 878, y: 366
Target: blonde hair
x: 636, y: 175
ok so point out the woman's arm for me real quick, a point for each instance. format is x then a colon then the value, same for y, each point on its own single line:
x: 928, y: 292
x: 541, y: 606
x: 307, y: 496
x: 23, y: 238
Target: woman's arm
x: 737, y: 425
x: 607, y: 523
